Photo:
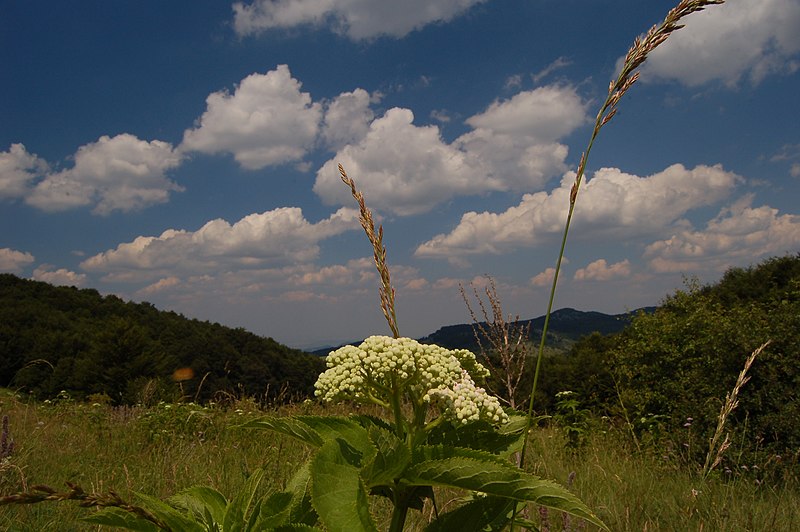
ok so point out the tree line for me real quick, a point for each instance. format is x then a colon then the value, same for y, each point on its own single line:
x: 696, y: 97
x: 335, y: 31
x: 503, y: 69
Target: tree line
x: 670, y: 370
x: 55, y: 338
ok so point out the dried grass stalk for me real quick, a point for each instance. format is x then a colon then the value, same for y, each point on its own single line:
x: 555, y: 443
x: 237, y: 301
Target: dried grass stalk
x: 731, y: 402
x: 379, y: 253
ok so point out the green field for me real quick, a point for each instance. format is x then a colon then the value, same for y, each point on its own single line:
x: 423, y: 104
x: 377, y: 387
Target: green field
x: 162, y: 449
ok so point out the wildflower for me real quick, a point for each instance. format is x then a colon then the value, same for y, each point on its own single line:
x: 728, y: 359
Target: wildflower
x: 382, y: 365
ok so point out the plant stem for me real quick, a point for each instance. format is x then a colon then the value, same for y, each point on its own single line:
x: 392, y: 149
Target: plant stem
x: 636, y: 55
x: 400, y: 510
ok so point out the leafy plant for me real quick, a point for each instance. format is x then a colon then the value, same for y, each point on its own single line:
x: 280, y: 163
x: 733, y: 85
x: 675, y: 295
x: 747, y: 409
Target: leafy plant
x: 574, y: 419
x: 443, y: 431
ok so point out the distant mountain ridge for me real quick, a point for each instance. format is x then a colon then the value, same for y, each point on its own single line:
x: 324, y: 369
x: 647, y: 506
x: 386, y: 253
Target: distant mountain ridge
x: 566, y: 326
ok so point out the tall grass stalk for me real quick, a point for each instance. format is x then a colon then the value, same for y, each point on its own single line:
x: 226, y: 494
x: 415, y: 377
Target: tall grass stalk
x: 636, y: 56
x: 379, y: 253
x: 716, y: 450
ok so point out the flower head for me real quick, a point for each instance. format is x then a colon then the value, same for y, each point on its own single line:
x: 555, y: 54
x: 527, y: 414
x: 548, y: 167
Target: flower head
x: 381, y: 364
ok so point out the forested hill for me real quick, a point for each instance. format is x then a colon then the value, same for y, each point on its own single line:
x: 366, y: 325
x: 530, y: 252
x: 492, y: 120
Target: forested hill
x: 566, y: 326
x: 64, y: 338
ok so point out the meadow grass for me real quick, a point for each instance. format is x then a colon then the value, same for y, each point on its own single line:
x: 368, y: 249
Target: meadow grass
x: 162, y: 449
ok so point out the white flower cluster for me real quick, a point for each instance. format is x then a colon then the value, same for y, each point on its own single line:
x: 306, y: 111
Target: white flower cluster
x: 431, y: 372
x: 468, y: 402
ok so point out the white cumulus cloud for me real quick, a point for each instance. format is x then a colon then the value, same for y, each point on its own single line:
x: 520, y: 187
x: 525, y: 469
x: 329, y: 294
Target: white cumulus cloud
x: 121, y: 173
x: 728, y: 42
x: 266, y: 121
x: 357, y: 19
x: 60, y: 276
x: 347, y: 118
x: 402, y: 168
x: 612, y: 203
x: 740, y: 233
x: 544, y: 278
x: 600, y: 270
x: 18, y: 171
x: 275, y: 237
x: 518, y: 138
x: 408, y: 169
x: 13, y: 261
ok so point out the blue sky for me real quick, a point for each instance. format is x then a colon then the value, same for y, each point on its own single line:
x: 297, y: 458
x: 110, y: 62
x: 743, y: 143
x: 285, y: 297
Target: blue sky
x: 184, y: 153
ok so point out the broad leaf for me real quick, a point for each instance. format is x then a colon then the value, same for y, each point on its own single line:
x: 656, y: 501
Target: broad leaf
x: 501, y: 480
x: 202, y: 501
x: 391, y: 459
x: 368, y: 422
x: 119, y: 518
x: 274, y: 511
x: 315, y: 430
x: 168, y: 515
x: 482, y: 513
x: 337, y: 427
x: 240, y: 506
x: 288, y: 426
x: 337, y: 491
x: 300, y: 487
x: 480, y: 435
x: 424, y: 453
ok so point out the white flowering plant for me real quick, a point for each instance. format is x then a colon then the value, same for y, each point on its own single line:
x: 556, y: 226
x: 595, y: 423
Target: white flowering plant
x: 428, y: 374
x: 442, y: 430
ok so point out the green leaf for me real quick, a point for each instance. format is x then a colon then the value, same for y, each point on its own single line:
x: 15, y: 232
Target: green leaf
x: 480, y: 435
x: 498, y: 479
x: 391, y: 459
x: 337, y: 427
x: 274, y: 511
x: 288, y: 426
x: 337, y: 491
x: 300, y: 486
x: 119, y: 518
x: 425, y: 453
x: 368, y: 422
x: 315, y: 430
x: 240, y: 506
x: 168, y: 515
x: 482, y: 513
x: 202, y: 501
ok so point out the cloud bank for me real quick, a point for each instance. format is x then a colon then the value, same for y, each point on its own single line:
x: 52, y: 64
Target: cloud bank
x: 611, y: 203
x: 272, y: 238
x: 407, y: 169
x: 355, y: 19
x: 731, y: 42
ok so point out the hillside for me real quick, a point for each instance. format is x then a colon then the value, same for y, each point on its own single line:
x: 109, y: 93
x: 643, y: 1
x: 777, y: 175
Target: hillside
x: 566, y: 326
x: 64, y: 338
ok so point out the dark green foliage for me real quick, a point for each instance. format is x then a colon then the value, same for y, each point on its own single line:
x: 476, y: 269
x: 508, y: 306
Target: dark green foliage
x: 62, y: 338
x: 682, y: 360
x: 585, y: 370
